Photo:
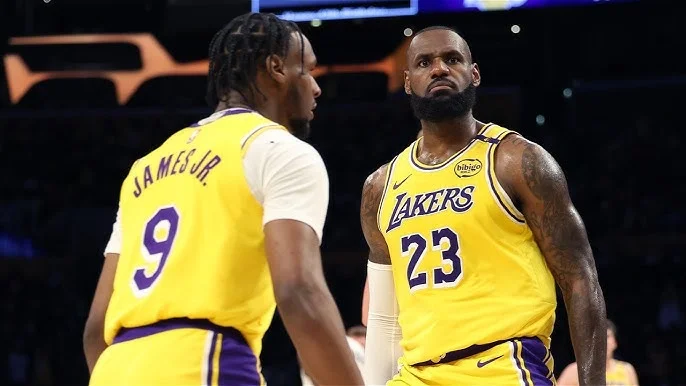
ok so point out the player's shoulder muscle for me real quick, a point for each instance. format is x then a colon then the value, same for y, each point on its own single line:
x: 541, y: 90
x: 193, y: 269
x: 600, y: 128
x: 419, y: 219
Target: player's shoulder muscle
x: 518, y: 158
x: 275, y: 153
x: 377, y: 179
x: 288, y: 177
x: 372, y: 192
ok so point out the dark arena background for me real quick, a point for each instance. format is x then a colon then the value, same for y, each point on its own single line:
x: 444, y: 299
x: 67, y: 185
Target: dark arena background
x: 89, y: 86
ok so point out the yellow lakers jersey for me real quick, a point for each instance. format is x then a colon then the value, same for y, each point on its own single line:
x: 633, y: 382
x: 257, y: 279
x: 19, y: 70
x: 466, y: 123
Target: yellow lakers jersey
x: 618, y: 375
x: 192, y: 238
x: 465, y: 264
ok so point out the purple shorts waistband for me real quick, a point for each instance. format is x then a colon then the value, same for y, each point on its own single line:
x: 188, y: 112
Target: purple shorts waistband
x: 126, y: 334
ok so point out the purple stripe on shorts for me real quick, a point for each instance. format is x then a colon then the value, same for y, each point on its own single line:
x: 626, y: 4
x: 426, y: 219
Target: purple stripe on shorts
x: 534, y: 354
x: 520, y: 364
x: 210, y: 358
x: 126, y: 334
x: 237, y: 363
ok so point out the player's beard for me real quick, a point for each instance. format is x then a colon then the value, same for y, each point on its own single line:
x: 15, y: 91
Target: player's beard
x: 299, y: 127
x: 444, y: 105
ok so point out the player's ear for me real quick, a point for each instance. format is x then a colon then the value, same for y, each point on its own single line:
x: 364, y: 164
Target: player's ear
x: 408, y: 89
x: 276, y: 68
x: 476, y: 75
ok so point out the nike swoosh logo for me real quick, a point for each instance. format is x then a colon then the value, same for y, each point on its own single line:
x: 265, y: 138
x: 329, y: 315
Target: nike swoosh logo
x: 480, y: 364
x: 397, y: 184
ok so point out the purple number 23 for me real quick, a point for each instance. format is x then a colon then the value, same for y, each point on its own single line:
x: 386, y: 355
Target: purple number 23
x: 444, y: 240
x: 156, y: 249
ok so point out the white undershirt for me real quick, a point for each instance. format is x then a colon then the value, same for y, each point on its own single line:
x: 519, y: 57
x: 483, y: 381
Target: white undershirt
x: 286, y: 175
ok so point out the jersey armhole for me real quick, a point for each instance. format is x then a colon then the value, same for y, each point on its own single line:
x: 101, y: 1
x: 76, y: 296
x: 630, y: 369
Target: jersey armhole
x: 389, y: 173
x: 254, y: 133
x: 499, y: 194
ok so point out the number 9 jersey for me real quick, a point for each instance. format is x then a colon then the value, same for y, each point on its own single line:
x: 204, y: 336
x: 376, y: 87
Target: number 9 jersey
x: 466, y: 268
x: 192, y: 214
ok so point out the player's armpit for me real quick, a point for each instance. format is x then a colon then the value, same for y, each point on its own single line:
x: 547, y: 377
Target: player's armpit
x: 540, y: 188
x: 94, y: 331
x: 372, y: 191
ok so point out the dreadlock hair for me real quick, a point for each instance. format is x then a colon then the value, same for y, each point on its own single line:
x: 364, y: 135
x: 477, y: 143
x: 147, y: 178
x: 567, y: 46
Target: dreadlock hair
x: 240, y: 49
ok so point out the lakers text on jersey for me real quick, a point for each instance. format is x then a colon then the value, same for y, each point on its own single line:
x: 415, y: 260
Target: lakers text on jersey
x: 468, y: 273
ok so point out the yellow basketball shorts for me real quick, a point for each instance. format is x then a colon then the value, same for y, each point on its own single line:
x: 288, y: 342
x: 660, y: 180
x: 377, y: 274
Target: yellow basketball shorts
x: 179, y: 352
x: 517, y: 362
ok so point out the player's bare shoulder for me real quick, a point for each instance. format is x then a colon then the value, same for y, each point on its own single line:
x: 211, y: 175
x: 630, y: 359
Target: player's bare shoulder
x: 519, y: 161
x: 372, y: 193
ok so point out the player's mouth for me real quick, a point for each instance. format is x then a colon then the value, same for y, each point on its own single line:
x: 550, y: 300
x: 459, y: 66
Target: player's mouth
x: 442, y: 85
x: 314, y: 106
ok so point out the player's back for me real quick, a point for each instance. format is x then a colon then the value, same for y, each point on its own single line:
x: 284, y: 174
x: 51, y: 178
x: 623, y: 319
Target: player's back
x: 193, y: 244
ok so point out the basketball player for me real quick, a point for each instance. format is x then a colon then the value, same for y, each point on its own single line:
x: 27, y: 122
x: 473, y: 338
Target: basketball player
x: 219, y: 225
x: 617, y: 373
x: 469, y: 228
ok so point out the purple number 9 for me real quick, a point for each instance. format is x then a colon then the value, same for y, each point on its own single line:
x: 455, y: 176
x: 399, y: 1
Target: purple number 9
x: 156, y: 249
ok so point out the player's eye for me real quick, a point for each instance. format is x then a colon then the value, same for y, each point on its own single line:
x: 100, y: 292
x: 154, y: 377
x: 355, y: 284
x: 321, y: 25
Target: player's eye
x: 453, y: 60
x: 423, y: 63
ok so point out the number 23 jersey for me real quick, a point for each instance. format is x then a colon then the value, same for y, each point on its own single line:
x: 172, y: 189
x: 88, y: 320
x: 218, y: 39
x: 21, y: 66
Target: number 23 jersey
x: 466, y: 267
x: 191, y: 220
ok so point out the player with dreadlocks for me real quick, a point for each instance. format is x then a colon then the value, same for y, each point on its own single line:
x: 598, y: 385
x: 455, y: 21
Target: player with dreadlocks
x: 221, y: 224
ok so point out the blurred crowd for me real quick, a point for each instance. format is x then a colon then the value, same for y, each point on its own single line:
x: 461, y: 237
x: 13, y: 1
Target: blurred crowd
x: 62, y: 172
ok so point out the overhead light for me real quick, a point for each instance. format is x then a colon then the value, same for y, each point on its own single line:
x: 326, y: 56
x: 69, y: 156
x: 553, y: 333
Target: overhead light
x: 540, y: 120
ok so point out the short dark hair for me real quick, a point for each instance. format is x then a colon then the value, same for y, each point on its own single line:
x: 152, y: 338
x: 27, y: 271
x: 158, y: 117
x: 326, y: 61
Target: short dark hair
x: 434, y: 27
x: 239, y: 49
x: 445, y: 28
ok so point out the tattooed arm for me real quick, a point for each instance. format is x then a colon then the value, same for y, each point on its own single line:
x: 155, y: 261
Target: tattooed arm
x: 371, y: 199
x: 537, y: 184
x: 382, y: 348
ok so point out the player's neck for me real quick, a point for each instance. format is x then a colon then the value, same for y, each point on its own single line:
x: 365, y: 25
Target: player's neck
x: 450, y: 135
x: 233, y: 102
x: 268, y: 109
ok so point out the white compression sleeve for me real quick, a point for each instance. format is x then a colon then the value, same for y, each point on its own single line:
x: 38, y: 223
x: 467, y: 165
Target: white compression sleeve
x: 383, y: 332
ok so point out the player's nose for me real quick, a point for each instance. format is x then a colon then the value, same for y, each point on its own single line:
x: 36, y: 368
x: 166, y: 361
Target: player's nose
x: 439, y: 68
x: 315, y: 89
